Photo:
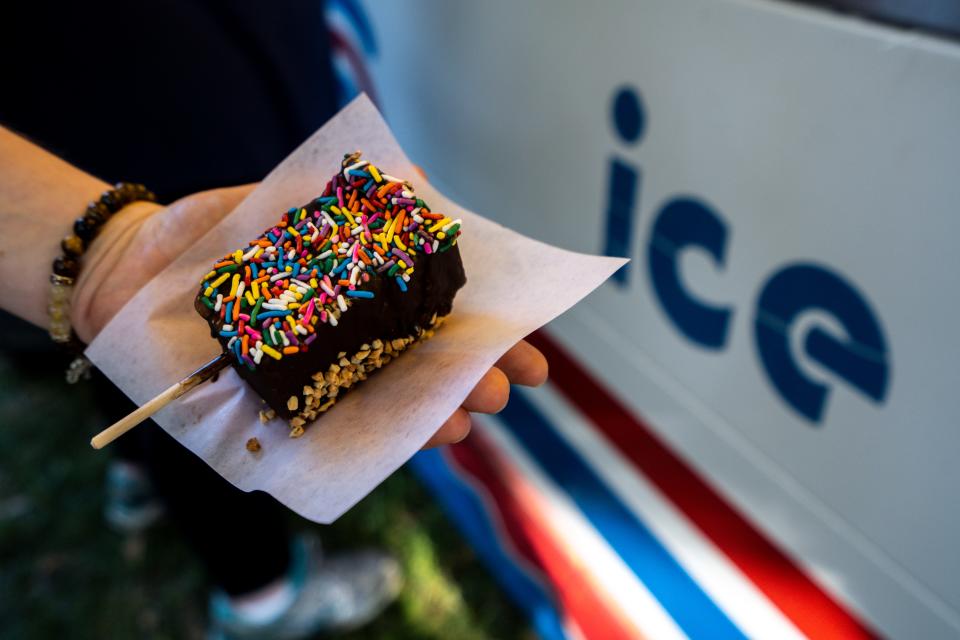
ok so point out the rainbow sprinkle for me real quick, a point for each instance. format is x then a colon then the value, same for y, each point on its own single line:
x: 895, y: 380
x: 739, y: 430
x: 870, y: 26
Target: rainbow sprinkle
x: 314, y: 264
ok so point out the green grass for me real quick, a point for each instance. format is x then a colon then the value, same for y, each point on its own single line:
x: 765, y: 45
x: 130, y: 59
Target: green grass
x: 63, y: 574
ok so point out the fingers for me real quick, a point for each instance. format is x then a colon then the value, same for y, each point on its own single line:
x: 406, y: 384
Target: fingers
x: 208, y: 207
x: 491, y: 393
x: 524, y: 364
x: 230, y: 197
x: 489, y: 396
x: 455, y: 429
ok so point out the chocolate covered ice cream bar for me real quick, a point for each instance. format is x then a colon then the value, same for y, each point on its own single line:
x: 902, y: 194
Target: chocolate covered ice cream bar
x: 333, y: 291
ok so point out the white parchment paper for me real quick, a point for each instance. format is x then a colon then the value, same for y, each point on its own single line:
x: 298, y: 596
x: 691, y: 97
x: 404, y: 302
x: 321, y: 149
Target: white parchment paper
x: 514, y: 285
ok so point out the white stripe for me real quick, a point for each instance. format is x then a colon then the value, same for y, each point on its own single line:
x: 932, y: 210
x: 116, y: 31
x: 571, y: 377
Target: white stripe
x: 620, y: 585
x: 571, y: 629
x: 716, y: 574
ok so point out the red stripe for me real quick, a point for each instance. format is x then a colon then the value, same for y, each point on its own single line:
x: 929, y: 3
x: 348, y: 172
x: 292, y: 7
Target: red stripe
x: 517, y: 538
x: 339, y: 43
x: 518, y: 503
x: 776, y: 574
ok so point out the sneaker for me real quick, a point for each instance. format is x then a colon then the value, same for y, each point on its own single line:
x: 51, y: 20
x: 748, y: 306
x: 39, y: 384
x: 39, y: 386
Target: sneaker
x: 131, y: 503
x: 331, y: 594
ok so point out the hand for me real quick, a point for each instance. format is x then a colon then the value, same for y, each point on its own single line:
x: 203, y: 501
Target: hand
x: 522, y: 364
x: 138, y: 243
x: 143, y: 238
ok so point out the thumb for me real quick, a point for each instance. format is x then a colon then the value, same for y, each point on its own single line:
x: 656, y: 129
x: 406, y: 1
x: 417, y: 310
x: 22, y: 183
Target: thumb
x: 204, y: 209
x: 228, y: 198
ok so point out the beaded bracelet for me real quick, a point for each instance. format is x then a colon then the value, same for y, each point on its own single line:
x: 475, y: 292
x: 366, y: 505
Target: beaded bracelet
x: 67, y: 266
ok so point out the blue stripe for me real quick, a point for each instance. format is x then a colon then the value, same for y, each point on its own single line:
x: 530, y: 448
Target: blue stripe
x: 696, y: 614
x: 463, y: 505
x: 358, y: 18
x: 347, y: 88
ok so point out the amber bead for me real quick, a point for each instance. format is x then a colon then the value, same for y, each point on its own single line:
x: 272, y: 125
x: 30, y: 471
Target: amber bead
x: 84, y: 230
x: 94, y: 221
x: 66, y: 266
x: 99, y: 210
x: 109, y: 199
x: 72, y: 246
x: 95, y: 217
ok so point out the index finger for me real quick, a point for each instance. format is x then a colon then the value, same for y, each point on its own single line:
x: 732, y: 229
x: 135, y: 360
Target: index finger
x: 524, y: 364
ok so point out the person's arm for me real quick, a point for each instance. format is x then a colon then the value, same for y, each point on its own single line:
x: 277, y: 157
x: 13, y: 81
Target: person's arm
x: 40, y: 196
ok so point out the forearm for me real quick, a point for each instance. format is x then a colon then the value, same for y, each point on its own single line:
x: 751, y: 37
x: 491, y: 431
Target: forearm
x: 40, y: 196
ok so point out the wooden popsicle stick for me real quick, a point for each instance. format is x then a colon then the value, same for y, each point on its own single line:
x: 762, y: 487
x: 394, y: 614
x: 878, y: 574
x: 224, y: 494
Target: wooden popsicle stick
x: 119, y: 428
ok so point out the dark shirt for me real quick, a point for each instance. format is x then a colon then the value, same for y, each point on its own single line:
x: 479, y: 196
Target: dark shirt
x: 179, y: 95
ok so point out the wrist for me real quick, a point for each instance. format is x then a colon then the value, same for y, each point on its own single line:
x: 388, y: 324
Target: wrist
x: 98, y: 294
x: 40, y: 195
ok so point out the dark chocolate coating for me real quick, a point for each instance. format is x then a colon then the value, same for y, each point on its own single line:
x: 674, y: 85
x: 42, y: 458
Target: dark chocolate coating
x: 390, y: 314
